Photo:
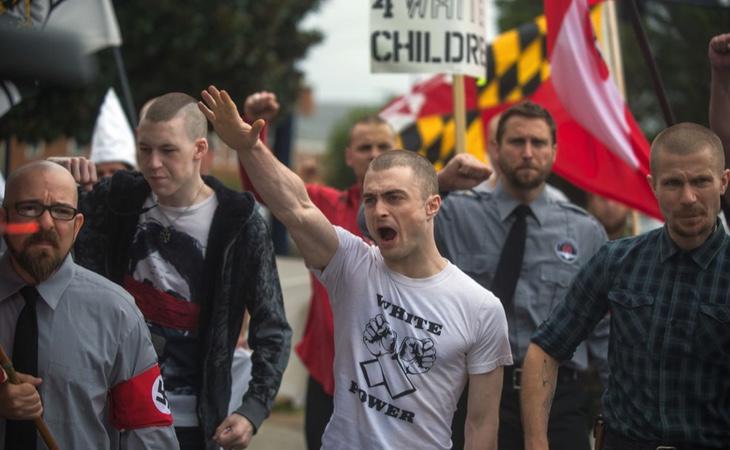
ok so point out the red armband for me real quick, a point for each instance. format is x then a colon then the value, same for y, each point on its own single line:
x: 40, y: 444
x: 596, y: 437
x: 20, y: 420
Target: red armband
x: 140, y: 402
x: 3, y: 376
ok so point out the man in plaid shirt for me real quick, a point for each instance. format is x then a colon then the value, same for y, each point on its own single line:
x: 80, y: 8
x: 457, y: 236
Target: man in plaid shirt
x: 668, y: 292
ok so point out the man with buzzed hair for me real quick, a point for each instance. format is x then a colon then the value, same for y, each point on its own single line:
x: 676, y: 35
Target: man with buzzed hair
x: 368, y: 137
x: 409, y: 327
x: 668, y: 294
x: 81, y: 347
x: 195, y: 255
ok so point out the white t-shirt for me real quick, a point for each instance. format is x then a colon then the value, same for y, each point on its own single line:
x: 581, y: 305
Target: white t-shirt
x: 404, y: 348
x: 168, y: 252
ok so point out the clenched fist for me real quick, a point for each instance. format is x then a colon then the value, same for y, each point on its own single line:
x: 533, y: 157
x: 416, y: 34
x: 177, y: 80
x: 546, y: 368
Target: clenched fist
x: 21, y: 401
x: 378, y: 337
x: 417, y: 355
x: 719, y: 52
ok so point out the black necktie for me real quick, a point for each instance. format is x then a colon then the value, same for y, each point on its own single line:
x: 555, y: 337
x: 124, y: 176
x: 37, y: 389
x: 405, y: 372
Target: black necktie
x: 510, y: 260
x: 21, y: 434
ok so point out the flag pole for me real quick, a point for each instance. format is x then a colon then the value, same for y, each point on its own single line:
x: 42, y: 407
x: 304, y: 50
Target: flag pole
x: 617, y: 69
x: 126, y: 91
x: 40, y: 424
x: 614, y: 47
x: 8, y: 143
x: 651, y: 63
x: 459, y: 113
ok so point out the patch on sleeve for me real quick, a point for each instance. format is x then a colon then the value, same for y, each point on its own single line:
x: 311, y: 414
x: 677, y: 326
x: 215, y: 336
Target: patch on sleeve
x: 140, y: 402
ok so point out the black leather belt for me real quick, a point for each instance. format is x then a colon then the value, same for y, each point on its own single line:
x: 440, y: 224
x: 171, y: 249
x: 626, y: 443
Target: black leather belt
x: 513, y: 376
x: 618, y: 442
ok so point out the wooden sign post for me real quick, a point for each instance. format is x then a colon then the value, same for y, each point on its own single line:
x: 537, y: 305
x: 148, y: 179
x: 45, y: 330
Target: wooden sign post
x: 419, y: 36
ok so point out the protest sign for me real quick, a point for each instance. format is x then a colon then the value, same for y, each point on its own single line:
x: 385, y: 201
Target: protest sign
x: 428, y: 36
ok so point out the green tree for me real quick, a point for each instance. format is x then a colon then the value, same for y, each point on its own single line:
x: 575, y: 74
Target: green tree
x: 678, y: 34
x: 512, y: 13
x: 239, y: 45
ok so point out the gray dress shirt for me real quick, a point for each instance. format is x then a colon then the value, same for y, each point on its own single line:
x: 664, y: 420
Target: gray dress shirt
x: 471, y: 229
x: 91, y: 337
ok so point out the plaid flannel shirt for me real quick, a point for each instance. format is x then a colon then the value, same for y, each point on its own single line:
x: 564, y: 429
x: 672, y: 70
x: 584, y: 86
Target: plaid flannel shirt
x: 669, y: 351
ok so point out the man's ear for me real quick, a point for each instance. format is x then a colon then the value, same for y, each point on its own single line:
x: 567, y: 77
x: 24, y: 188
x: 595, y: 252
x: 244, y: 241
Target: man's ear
x: 724, y: 180
x: 650, y: 180
x: 201, y: 148
x: 78, y: 223
x: 433, y: 205
x: 348, y: 156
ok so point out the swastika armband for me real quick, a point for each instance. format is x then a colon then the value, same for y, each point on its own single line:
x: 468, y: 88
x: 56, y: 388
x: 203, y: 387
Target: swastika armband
x: 140, y: 402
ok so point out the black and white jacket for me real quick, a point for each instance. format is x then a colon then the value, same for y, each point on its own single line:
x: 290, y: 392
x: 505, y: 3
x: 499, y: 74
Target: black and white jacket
x: 240, y: 274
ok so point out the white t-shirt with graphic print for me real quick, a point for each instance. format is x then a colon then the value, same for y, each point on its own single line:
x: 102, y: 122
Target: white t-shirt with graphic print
x: 404, y: 348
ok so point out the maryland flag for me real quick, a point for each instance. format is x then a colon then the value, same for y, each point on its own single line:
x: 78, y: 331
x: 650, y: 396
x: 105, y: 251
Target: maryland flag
x: 518, y: 68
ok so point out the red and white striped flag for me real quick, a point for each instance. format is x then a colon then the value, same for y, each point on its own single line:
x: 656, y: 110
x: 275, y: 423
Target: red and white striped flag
x: 600, y: 145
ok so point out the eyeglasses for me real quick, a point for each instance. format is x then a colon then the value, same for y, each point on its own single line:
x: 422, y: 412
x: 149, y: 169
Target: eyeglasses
x: 33, y: 208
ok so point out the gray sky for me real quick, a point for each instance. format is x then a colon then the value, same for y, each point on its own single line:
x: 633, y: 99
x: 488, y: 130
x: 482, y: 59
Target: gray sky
x: 338, y: 69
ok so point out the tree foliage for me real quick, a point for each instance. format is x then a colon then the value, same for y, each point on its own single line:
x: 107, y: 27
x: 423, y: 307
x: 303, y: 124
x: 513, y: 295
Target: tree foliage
x: 678, y: 33
x: 239, y: 45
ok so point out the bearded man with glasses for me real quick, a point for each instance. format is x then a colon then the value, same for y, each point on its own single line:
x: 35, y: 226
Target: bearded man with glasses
x: 79, y: 344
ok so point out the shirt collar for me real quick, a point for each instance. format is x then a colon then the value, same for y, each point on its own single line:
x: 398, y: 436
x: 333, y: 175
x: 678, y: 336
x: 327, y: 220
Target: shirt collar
x: 51, y: 290
x: 702, y: 255
x: 506, y: 204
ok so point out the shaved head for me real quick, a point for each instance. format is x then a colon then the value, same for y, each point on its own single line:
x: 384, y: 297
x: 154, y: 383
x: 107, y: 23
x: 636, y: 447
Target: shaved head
x: 371, y: 120
x: 166, y: 107
x: 41, y: 192
x: 17, y: 179
x: 423, y: 170
x: 683, y: 139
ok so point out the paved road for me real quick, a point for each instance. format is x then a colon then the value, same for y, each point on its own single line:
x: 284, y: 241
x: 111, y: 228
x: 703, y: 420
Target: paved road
x: 285, y: 430
x: 281, y: 431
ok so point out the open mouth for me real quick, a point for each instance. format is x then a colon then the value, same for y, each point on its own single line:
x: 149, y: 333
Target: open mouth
x: 387, y: 234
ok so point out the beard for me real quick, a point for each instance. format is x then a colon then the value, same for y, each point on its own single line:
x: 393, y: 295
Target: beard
x: 511, y: 175
x: 39, y: 264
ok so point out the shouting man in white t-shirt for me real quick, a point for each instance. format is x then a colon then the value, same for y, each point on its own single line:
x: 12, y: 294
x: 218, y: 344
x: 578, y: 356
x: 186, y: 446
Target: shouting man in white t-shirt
x: 410, y: 327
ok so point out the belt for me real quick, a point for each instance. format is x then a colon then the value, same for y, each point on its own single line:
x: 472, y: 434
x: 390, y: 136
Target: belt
x: 513, y: 376
x: 619, y: 442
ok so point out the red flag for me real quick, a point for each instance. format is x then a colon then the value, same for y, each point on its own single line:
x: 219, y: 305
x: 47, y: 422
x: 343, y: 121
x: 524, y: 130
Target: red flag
x: 600, y: 145
x: 518, y: 69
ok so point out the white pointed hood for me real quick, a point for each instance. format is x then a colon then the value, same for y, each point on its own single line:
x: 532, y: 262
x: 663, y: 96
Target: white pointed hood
x: 113, y: 139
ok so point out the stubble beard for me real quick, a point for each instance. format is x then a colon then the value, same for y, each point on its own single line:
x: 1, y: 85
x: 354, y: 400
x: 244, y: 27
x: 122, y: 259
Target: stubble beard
x: 679, y: 231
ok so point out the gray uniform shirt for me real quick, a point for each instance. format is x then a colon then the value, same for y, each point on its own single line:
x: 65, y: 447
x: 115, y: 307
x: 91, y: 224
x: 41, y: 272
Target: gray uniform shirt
x: 91, y: 337
x: 471, y: 229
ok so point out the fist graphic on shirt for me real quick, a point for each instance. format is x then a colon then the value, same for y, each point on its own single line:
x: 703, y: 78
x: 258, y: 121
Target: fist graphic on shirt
x: 378, y: 337
x: 417, y: 355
